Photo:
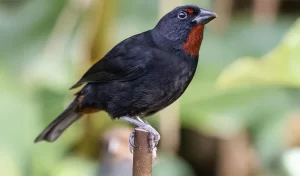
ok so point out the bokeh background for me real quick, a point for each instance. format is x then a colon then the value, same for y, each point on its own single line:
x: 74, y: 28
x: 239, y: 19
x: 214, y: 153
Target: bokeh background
x: 239, y: 117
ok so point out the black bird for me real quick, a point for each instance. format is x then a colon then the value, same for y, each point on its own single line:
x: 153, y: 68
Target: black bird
x: 141, y: 75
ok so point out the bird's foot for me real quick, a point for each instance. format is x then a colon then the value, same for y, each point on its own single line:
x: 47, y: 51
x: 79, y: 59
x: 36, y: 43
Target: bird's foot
x: 153, y: 139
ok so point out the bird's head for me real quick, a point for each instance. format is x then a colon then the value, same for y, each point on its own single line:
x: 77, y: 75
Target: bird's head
x: 182, y: 29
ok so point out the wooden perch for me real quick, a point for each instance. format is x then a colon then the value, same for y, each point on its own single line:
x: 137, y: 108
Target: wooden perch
x: 142, y: 158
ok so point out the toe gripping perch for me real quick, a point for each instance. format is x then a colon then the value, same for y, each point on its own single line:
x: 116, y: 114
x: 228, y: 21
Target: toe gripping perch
x: 153, y: 136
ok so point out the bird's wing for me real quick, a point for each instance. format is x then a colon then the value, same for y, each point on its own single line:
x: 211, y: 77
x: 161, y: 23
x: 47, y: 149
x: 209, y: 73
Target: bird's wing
x: 121, y: 68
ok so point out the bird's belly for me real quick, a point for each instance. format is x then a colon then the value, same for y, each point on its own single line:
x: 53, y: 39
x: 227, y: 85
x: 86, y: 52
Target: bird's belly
x: 146, y: 96
x: 167, y: 93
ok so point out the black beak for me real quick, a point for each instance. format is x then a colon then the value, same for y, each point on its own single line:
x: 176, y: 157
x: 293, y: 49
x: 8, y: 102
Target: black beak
x: 204, y: 17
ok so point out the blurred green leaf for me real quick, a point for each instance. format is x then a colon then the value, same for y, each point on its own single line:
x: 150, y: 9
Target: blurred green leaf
x: 8, y: 164
x: 279, y: 67
x: 75, y: 166
x: 258, y: 104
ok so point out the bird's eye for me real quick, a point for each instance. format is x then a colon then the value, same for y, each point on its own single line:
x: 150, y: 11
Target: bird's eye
x: 182, y: 15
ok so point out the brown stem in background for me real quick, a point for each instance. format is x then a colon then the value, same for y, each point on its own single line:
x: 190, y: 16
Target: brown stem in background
x: 96, y: 27
x: 237, y: 157
x: 103, y: 40
x: 265, y: 10
x: 292, y: 131
x: 62, y: 32
x: 224, y: 10
x: 142, y: 158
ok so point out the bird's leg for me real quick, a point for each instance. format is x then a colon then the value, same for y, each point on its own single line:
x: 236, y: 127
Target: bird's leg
x: 154, y: 136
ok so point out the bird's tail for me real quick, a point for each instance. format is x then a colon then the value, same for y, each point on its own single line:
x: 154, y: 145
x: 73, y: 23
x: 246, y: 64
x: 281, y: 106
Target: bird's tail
x: 60, y: 124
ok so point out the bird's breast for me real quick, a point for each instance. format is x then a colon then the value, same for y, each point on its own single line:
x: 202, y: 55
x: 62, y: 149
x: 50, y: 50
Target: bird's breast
x: 182, y: 80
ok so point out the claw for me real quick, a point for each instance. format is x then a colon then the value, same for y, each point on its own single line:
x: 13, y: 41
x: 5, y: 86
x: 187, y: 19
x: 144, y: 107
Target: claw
x: 131, y: 142
x: 131, y: 149
x: 152, y: 144
x: 156, y: 139
x: 153, y: 141
x: 154, y: 154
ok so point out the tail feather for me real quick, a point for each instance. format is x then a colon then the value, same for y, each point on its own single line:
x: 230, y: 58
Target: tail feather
x: 60, y: 124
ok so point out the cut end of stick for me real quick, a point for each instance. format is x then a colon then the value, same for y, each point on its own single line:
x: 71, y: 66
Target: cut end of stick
x: 142, y: 157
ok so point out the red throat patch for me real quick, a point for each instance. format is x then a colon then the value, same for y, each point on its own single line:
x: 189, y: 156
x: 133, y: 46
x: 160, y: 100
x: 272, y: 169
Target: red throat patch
x: 193, y: 43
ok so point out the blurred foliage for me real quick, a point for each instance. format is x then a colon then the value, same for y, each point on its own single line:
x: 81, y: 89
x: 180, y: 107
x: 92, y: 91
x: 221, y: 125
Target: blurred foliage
x: 171, y: 165
x: 280, y: 67
x: 24, y: 25
x: 260, y: 109
x: 35, y: 79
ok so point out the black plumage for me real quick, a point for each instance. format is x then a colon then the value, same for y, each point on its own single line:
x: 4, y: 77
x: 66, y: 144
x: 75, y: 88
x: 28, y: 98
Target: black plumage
x: 144, y: 73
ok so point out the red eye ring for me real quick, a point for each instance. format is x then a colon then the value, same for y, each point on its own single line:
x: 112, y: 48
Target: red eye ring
x: 189, y: 11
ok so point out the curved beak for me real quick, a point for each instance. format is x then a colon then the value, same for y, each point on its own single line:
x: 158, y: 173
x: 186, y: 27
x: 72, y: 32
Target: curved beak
x: 204, y: 17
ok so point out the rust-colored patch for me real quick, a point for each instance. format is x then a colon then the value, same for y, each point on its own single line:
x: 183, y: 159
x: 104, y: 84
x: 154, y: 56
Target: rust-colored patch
x: 83, y: 109
x: 80, y: 98
x: 193, y: 43
x: 89, y: 110
x: 189, y: 11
